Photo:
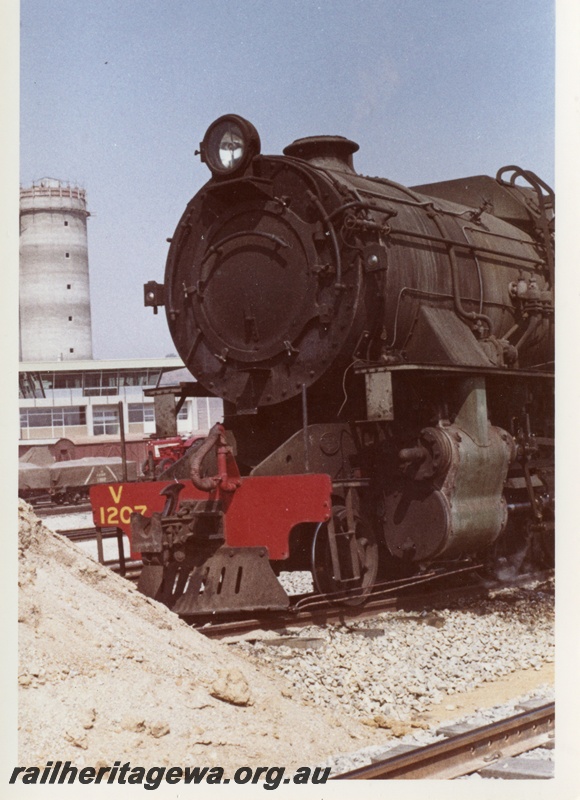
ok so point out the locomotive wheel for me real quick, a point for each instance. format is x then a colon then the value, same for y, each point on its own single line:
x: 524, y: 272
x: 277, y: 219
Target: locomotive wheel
x: 366, y: 552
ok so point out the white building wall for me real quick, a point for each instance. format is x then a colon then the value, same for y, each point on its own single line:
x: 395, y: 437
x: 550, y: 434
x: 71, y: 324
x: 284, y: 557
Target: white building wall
x: 72, y: 393
x: 55, y: 312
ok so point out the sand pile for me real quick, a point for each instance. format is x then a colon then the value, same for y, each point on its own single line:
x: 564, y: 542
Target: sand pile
x: 106, y: 674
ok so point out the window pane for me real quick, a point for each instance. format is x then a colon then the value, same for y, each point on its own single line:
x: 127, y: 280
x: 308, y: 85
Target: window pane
x: 135, y: 412
x: 29, y: 385
x: 68, y: 380
x: 92, y: 378
x: 139, y: 378
x: 202, y: 414
x: 52, y: 417
x: 109, y: 379
x: 75, y: 415
x: 105, y: 420
x: 141, y: 412
x: 39, y: 417
x: 47, y: 379
x: 216, y: 410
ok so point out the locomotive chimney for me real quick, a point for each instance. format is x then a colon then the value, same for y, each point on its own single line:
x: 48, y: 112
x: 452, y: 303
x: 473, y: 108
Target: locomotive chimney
x: 328, y: 152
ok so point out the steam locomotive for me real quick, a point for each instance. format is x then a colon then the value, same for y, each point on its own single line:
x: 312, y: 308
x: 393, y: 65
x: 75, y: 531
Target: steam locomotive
x: 385, y: 357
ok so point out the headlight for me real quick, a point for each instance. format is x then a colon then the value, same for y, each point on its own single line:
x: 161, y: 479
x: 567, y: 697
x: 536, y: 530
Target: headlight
x: 229, y: 144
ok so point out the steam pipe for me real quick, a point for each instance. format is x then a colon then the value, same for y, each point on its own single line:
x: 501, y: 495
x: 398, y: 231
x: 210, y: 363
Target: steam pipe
x: 205, y: 484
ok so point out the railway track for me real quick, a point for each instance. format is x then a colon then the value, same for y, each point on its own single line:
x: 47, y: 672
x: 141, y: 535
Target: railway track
x: 305, y: 609
x: 54, y: 510
x: 466, y: 753
x: 127, y: 568
x: 324, y: 612
x: 439, y: 589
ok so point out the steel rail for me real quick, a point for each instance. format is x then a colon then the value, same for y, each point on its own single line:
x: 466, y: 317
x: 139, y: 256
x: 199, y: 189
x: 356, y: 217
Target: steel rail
x: 318, y: 609
x: 323, y: 616
x: 313, y: 609
x: 334, y: 614
x: 466, y: 752
x: 58, y: 510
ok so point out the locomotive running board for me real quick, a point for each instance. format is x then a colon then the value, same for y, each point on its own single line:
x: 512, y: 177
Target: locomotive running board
x: 231, y: 579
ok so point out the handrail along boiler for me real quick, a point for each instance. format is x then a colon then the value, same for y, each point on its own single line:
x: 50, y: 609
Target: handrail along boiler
x: 385, y: 357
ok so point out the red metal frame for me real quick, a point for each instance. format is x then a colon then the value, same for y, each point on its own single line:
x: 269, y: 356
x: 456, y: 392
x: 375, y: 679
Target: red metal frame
x: 260, y: 512
x: 171, y: 448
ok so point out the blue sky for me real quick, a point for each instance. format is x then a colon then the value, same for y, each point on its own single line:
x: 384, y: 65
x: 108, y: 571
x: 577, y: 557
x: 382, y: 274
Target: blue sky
x: 117, y: 96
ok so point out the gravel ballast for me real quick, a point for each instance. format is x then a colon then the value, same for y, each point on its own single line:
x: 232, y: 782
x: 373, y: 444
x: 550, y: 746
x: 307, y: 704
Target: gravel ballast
x: 362, y: 686
x: 398, y: 664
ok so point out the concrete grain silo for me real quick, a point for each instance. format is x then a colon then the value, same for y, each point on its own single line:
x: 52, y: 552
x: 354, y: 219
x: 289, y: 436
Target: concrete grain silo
x: 55, y: 311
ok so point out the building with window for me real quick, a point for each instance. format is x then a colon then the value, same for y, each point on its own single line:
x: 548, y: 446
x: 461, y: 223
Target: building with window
x: 84, y: 400
x: 64, y: 394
